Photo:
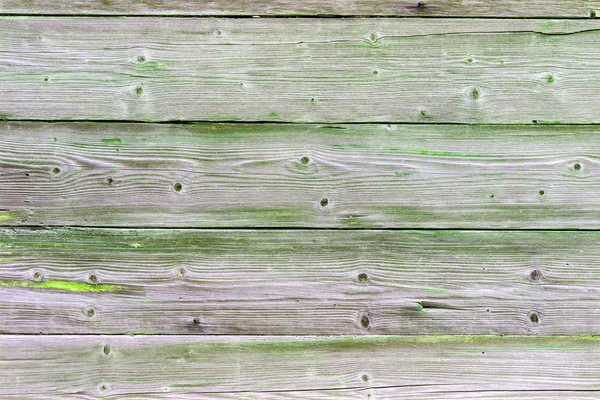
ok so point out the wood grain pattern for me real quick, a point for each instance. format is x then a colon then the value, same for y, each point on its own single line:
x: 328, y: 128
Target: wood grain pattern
x: 298, y: 282
x: 413, y: 8
x: 299, y: 130
x: 300, y: 70
x: 210, y: 367
x: 271, y: 175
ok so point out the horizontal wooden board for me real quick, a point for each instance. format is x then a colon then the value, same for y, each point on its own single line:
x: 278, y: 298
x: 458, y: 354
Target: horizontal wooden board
x: 413, y: 8
x: 300, y: 70
x: 271, y: 175
x: 296, y: 367
x: 391, y: 393
x: 298, y: 282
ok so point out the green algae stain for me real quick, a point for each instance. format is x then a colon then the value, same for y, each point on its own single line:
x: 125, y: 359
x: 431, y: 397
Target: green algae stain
x: 434, y: 153
x: 63, y: 286
x: 548, y: 78
x: 447, y: 233
x: 435, y: 290
x: 352, y: 221
x: 316, y: 348
x: 6, y: 216
x: 111, y: 141
x: 338, y: 344
x: 264, y: 214
x: 553, y: 28
x: 149, y: 66
x: 350, y: 146
x: 538, y: 122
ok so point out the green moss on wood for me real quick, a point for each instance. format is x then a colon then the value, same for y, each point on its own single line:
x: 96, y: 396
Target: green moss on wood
x: 350, y: 146
x: 111, y: 141
x: 313, y: 347
x: 62, y: 286
x: 436, y: 290
x: 267, y: 214
x: 149, y: 66
x: 538, y: 122
x: 6, y: 216
x: 434, y: 153
x: 404, y: 150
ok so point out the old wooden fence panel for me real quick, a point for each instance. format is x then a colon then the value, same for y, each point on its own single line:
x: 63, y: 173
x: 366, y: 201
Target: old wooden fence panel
x: 282, y: 199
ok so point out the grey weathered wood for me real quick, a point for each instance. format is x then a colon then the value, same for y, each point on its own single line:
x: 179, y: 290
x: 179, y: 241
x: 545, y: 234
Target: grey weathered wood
x: 360, y: 393
x: 295, y: 367
x: 269, y: 175
x: 385, y: 393
x: 300, y: 70
x: 297, y: 282
x: 481, y: 8
x: 356, y: 393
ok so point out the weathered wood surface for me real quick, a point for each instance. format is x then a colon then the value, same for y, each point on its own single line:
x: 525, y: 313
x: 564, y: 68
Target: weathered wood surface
x: 274, y: 367
x: 300, y: 70
x: 180, y: 287
x: 355, y: 393
x: 271, y: 175
x: 296, y: 282
x: 413, y: 8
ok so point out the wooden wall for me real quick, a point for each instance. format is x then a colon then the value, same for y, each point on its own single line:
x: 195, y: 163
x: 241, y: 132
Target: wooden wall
x: 282, y: 199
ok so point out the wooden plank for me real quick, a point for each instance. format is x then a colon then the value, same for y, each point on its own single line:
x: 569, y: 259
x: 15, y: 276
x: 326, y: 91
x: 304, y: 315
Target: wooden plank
x: 413, y: 8
x: 300, y: 70
x: 271, y: 175
x: 298, y: 282
x: 385, y: 393
x: 295, y: 367
x: 361, y: 393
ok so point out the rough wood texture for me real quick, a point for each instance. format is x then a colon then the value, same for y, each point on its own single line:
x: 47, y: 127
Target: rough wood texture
x: 299, y: 282
x: 182, y: 286
x: 300, y: 70
x: 413, y: 8
x: 241, y: 367
x: 270, y: 175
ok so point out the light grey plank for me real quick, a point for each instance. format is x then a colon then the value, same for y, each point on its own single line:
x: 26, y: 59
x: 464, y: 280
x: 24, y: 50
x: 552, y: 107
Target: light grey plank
x: 482, y: 8
x: 300, y: 70
x: 249, y: 367
x: 392, y: 393
x: 270, y: 175
x: 298, y: 282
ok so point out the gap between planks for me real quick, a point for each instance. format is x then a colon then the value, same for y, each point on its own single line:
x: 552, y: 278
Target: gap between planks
x: 290, y: 16
x: 292, y: 123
